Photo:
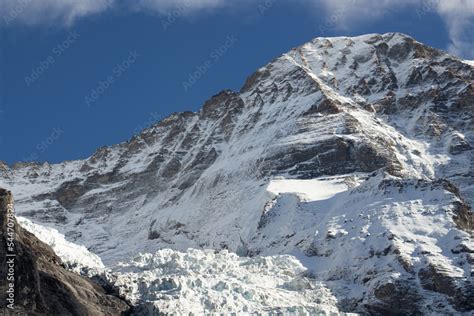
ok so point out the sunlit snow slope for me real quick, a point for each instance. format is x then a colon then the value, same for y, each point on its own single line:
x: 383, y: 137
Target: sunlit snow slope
x: 355, y: 155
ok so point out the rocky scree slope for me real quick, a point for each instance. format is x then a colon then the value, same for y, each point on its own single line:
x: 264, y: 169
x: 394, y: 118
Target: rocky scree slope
x: 384, y: 119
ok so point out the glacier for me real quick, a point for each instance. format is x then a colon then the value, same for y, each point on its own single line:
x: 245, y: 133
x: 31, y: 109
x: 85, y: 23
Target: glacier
x: 346, y: 164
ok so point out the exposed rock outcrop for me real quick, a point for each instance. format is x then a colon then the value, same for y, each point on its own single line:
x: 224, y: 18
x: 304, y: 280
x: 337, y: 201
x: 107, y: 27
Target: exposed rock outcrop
x: 34, y: 281
x: 331, y: 109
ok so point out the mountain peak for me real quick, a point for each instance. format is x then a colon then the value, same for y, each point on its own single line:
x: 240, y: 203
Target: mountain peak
x: 368, y: 37
x: 334, y: 151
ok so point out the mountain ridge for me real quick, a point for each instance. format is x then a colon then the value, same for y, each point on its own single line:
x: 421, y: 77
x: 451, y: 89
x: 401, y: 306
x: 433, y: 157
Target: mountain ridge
x: 19, y: 164
x: 288, y: 165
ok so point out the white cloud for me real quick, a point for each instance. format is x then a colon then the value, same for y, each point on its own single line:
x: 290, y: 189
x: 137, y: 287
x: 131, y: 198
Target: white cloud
x: 66, y: 12
x: 345, y: 13
x: 184, y: 7
x: 457, y: 14
x: 340, y: 14
x: 459, y: 17
x: 33, y: 12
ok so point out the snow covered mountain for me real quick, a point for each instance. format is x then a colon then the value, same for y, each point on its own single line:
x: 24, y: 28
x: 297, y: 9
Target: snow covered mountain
x: 355, y: 155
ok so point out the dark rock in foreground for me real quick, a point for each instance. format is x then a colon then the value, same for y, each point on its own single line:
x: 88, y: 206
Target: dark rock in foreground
x: 41, y: 285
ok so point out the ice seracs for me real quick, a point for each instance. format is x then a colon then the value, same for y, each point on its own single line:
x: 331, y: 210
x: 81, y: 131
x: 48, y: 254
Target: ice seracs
x: 355, y: 155
x: 204, y: 281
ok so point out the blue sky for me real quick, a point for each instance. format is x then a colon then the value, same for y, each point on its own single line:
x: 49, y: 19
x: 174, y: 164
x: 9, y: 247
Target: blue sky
x: 77, y: 77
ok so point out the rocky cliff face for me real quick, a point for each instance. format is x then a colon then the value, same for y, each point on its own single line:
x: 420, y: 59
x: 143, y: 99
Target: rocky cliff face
x: 34, y: 281
x: 355, y: 154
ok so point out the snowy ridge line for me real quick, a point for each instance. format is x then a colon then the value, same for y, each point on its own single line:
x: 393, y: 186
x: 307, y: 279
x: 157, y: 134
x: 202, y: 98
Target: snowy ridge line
x: 353, y: 155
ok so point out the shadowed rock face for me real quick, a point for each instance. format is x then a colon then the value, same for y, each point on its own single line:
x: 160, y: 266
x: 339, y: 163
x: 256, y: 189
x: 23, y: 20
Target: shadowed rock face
x: 42, y: 286
x: 338, y: 95
x: 331, y: 107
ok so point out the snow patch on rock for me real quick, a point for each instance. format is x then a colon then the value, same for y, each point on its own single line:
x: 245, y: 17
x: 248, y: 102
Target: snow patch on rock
x: 77, y: 258
x: 311, y: 189
x: 469, y: 62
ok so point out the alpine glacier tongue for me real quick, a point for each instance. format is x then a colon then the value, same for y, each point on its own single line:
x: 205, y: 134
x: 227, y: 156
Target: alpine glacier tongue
x: 355, y: 155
